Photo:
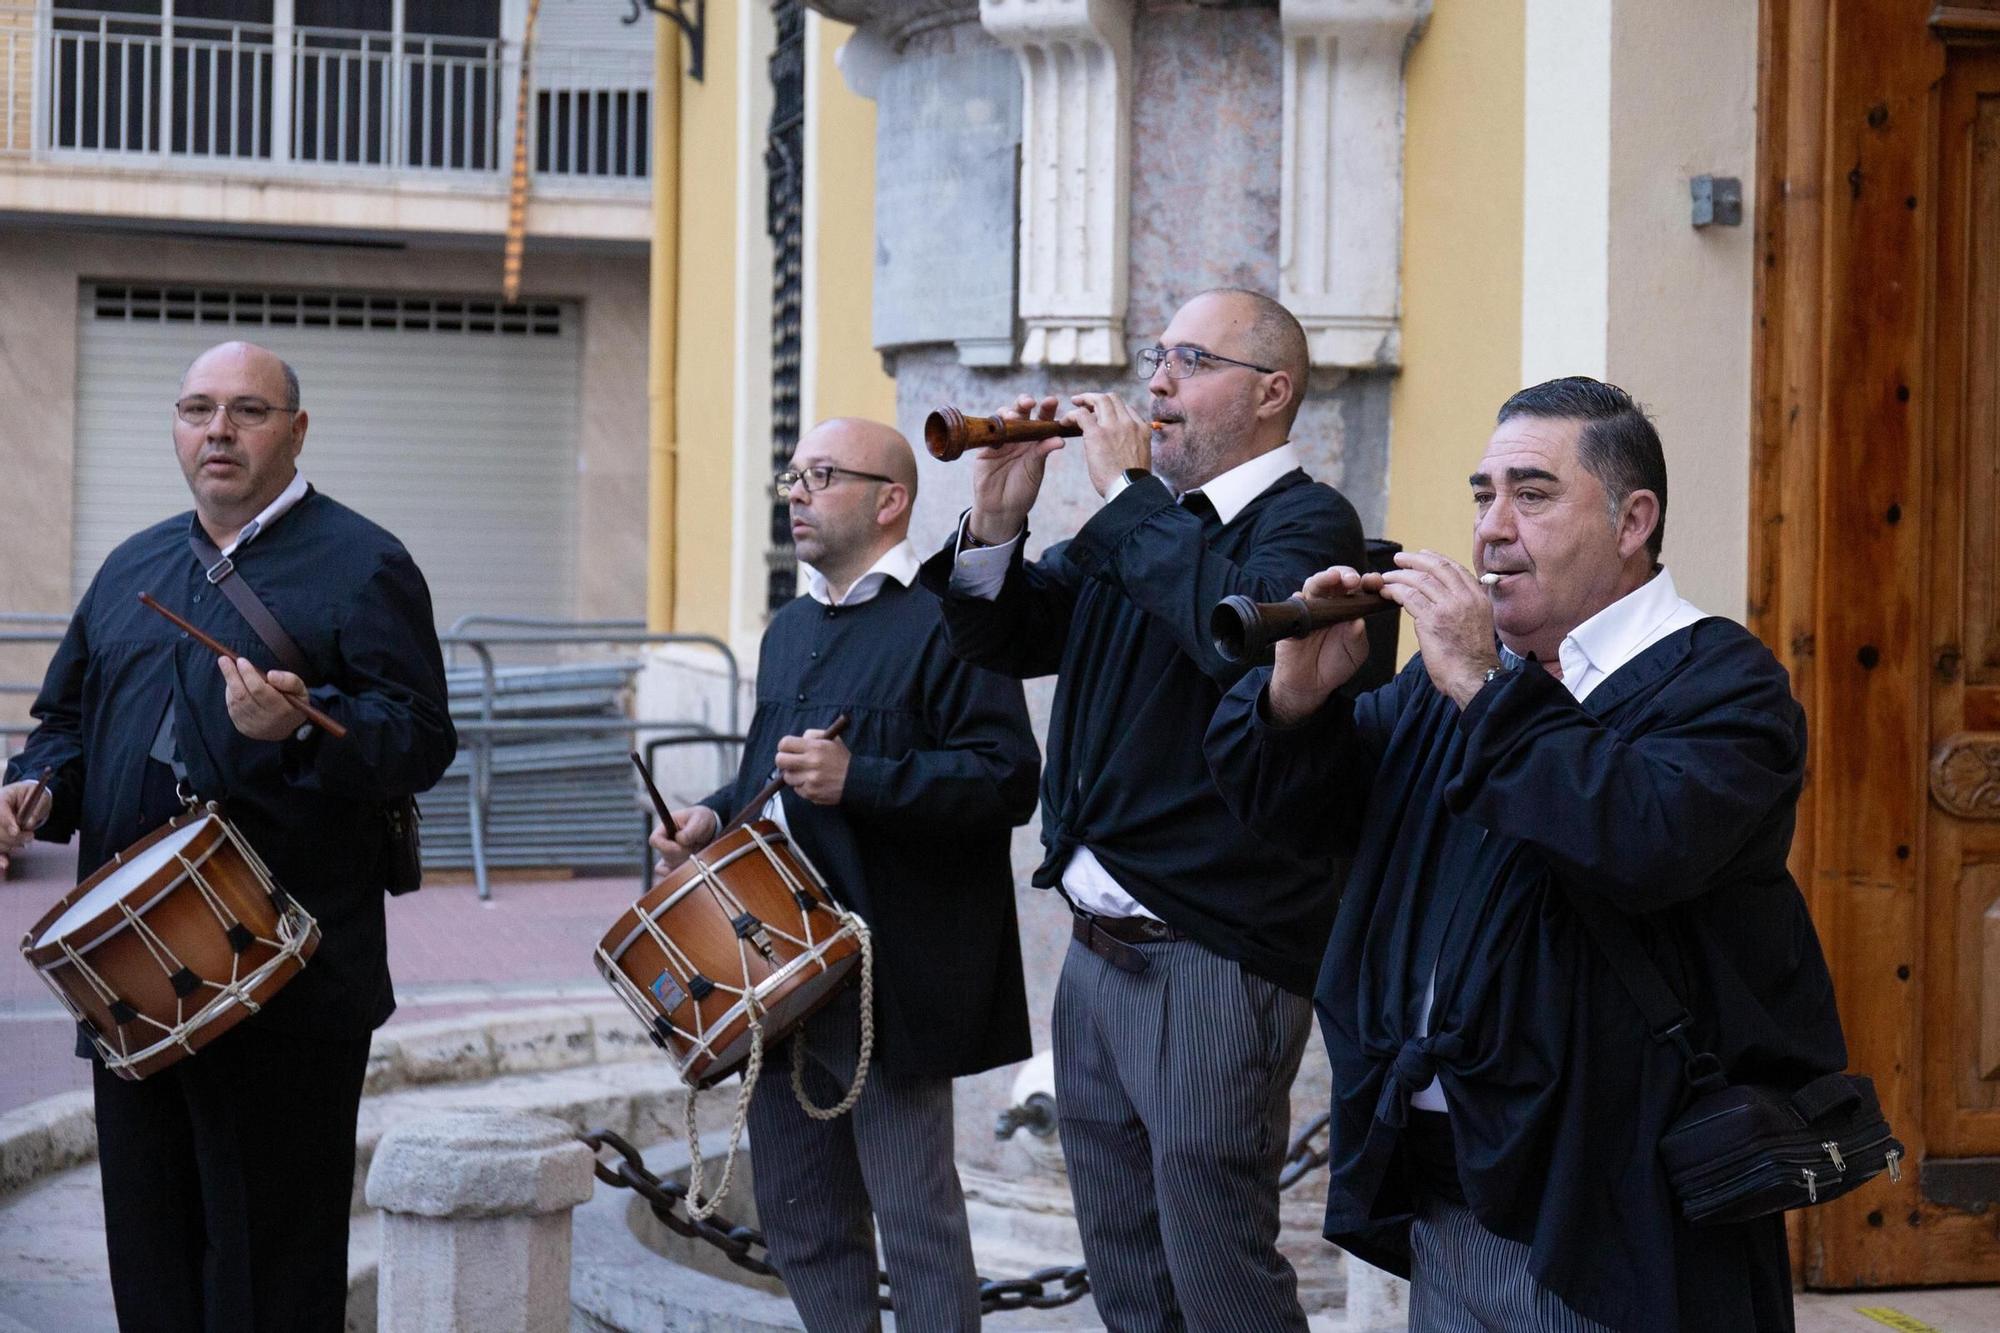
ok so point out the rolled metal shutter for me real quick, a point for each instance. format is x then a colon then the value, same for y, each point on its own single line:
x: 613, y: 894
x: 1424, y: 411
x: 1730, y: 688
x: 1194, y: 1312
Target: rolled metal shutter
x: 449, y: 420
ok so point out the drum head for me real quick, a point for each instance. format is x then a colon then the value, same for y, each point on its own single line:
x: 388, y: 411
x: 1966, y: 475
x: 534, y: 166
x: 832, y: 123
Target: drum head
x: 155, y: 860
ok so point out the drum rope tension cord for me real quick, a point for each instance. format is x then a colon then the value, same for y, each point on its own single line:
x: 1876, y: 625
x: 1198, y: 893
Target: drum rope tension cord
x: 745, y: 1246
x: 700, y: 1205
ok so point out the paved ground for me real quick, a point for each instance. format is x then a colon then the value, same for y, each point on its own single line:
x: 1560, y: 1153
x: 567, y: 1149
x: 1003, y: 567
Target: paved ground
x: 530, y: 947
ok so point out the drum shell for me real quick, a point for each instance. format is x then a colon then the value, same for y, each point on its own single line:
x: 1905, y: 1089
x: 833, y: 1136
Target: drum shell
x: 173, y: 908
x: 710, y: 1038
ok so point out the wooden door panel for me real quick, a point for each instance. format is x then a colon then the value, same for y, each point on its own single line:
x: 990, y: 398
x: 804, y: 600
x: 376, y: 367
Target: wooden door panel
x: 1982, y: 390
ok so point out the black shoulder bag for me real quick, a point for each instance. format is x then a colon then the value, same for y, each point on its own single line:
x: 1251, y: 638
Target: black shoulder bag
x: 401, y: 818
x: 1740, y: 1151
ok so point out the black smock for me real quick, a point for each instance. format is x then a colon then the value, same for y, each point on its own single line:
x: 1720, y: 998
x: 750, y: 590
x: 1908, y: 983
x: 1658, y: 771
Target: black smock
x: 1670, y: 795
x: 1121, y: 613
x: 943, y: 767
x: 349, y: 595
x: 227, y: 1176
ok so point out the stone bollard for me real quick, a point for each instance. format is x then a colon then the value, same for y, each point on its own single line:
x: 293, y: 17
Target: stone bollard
x: 475, y: 1222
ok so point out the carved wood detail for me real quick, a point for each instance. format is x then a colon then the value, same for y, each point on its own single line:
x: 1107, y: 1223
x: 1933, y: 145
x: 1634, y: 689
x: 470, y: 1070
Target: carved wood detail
x: 1965, y: 775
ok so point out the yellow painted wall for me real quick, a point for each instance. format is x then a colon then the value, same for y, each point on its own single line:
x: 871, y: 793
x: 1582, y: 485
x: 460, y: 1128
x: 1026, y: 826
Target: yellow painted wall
x: 1462, y: 172
x: 846, y: 370
x: 706, y: 361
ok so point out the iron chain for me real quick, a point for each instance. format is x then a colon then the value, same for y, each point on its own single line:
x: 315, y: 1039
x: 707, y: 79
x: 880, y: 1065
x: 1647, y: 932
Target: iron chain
x: 1043, y: 1289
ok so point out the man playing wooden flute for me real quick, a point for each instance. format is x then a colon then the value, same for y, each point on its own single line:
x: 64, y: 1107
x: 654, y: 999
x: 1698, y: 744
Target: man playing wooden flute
x: 1181, y: 1013
x: 1574, y: 739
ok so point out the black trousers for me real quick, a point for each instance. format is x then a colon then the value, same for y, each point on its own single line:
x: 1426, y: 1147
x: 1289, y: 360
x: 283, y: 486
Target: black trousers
x: 227, y: 1183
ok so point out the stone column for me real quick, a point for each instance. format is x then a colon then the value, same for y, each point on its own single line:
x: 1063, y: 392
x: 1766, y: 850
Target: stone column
x: 1343, y: 174
x: 1076, y: 151
x: 475, y: 1222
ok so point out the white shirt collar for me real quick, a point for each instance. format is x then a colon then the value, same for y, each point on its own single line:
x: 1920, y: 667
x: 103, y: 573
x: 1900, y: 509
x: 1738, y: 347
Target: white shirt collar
x: 1621, y: 631
x: 899, y: 562
x: 1236, y: 488
x: 273, y: 511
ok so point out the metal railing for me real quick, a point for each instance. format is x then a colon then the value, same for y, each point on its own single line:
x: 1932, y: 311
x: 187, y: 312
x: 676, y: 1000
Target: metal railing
x: 146, y: 90
x: 480, y: 734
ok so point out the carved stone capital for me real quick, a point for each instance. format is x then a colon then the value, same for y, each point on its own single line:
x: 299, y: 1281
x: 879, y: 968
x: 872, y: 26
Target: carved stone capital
x: 1340, y: 233
x: 896, y: 21
x: 1076, y: 131
x: 1965, y: 775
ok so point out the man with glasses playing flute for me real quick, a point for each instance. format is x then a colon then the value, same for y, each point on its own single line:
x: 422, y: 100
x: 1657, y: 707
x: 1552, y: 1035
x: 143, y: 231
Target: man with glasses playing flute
x: 227, y: 1176
x: 1181, y: 1014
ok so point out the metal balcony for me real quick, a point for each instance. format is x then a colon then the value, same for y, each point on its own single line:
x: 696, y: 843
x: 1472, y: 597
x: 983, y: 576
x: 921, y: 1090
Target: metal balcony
x: 179, y: 93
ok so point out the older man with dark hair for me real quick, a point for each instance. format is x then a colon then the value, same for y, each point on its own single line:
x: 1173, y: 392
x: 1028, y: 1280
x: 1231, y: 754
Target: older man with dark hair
x: 1573, y: 740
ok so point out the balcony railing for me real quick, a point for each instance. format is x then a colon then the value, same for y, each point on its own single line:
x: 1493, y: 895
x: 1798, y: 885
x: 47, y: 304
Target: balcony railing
x: 121, y: 89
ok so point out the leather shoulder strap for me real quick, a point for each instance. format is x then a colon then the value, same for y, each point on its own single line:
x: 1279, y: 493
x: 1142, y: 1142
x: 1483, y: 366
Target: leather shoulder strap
x: 1666, y: 1016
x: 220, y: 570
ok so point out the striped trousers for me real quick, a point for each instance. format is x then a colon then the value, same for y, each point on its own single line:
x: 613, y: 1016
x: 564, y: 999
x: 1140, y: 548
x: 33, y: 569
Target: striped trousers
x: 1174, y: 1091
x: 1465, y: 1279
x: 823, y: 1185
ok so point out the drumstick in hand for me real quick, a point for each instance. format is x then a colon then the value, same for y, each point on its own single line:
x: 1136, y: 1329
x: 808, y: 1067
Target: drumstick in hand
x: 659, y: 801
x: 771, y: 788
x: 35, y: 797
x: 313, y: 715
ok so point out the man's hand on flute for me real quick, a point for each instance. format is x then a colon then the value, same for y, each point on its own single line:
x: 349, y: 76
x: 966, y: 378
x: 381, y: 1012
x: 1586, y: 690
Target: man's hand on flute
x: 1007, y: 478
x: 1115, y: 437
x: 1309, y: 669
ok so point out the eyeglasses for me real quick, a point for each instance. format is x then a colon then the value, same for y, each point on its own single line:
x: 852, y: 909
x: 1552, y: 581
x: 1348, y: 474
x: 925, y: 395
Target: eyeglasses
x: 817, y: 478
x: 1182, y: 362
x: 246, y: 413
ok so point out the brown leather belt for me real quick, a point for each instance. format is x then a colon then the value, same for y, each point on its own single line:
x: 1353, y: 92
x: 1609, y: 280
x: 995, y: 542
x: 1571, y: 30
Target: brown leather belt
x: 1115, y: 938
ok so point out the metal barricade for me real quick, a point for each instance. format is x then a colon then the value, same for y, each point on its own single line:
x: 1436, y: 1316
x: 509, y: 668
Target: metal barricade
x: 480, y: 735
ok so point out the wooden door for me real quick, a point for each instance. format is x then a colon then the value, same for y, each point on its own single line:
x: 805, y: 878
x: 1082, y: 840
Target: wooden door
x: 1961, y: 841
x: 1876, y: 577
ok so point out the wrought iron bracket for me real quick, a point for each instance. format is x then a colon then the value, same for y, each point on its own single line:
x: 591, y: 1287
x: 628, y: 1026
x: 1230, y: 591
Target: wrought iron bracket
x: 693, y: 23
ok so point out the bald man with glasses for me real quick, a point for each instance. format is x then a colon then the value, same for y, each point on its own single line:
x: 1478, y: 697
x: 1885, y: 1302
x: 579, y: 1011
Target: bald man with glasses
x: 227, y: 1176
x: 1181, y: 1014
x: 908, y: 814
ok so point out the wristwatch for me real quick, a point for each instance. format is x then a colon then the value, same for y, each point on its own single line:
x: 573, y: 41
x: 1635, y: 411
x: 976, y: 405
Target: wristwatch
x: 1134, y: 475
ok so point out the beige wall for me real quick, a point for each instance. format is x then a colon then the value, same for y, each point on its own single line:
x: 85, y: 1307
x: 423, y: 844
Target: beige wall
x: 844, y: 376
x: 1461, y: 267
x: 1684, y: 77
x: 40, y: 272
x: 705, y: 375
x: 1624, y: 104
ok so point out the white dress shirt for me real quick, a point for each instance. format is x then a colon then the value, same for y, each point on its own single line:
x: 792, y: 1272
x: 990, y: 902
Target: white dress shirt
x: 273, y: 511
x: 1588, y: 655
x: 982, y: 570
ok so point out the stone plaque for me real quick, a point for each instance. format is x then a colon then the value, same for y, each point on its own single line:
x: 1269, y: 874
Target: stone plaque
x: 948, y: 134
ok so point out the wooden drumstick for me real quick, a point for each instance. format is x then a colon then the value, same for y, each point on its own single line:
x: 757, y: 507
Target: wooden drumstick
x: 776, y: 784
x: 659, y: 801
x: 42, y: 781
x: 313, y: 715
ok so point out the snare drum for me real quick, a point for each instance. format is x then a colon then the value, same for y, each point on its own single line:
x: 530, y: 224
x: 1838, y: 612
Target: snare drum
x: 744, y: 925
x: 172, y: 943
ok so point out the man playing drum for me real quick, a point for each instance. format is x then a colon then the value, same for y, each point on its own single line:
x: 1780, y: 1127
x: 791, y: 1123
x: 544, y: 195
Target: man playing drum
x: 227, y: 1175
x: 1181, y: 1014
x: 907, y: 814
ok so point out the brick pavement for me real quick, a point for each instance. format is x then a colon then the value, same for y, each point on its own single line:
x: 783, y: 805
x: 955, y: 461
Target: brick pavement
x: 449, y: 953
